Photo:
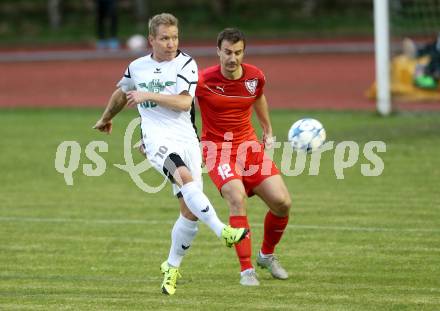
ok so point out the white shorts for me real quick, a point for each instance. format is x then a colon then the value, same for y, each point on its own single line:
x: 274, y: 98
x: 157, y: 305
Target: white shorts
x: 158, y: 148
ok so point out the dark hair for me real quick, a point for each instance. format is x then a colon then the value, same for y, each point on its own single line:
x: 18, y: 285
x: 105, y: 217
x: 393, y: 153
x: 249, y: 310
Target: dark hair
x: 232, y: 35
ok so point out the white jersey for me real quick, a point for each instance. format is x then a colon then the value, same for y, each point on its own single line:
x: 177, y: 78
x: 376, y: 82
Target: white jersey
x: 167, y: 77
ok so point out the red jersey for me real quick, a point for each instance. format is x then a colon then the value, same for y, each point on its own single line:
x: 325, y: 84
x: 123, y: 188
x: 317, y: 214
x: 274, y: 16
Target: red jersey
x: 226, y: 105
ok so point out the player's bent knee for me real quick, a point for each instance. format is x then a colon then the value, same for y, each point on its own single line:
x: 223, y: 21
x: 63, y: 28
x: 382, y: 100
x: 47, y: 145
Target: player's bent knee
x: 285, y: 206
x: 281, y: 206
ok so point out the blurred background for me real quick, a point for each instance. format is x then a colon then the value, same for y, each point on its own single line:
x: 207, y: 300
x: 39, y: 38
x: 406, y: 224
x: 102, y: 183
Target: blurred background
x: 313, y: 38
x: 70, y: 21
x: 42, y: 22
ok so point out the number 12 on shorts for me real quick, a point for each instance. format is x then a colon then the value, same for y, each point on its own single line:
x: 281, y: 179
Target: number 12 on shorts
x: 224, y: 170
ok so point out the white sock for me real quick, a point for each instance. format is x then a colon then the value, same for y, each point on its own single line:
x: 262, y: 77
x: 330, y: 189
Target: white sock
x: 200, y: 206
x: 182, y: 235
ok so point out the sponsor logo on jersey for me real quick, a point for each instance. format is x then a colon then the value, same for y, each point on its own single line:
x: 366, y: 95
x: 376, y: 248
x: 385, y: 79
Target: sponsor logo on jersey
x: 221, y: 88
x: 251, y: 85
x: 154, y: 86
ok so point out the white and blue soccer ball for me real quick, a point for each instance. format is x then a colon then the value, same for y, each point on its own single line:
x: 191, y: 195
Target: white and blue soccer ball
x: 306, y: 135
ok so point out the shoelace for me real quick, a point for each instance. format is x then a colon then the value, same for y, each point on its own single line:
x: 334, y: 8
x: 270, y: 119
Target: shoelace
x: 229, y: 237
x: 251, y: 273
x: 274, y: 263
x: 172, y: 278
x: 273, y: 260
x: 270, y: 258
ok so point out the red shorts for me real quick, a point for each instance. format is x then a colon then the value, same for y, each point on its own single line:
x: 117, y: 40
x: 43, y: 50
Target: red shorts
x: 250, y: 165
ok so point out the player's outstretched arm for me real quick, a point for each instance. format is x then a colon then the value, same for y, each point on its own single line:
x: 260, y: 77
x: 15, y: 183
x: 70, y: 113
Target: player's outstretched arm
x: 181, y: 102
x: 117, y: 101
x: 262, y: 109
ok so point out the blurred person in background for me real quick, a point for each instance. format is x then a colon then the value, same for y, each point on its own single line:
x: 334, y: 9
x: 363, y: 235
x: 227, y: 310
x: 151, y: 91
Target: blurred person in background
x: 426, y: 76
x: 227, y: 94
x: 107, y: 24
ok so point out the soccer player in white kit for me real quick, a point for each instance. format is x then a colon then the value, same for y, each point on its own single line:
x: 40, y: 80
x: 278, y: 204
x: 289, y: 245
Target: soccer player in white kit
x: 162, y: 85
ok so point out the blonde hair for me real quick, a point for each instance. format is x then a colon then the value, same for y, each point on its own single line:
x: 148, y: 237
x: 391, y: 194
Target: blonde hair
x: 166, y: 19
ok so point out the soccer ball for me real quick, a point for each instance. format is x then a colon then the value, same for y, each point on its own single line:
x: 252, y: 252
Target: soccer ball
x: 306, y: 135
x: 137, y: 43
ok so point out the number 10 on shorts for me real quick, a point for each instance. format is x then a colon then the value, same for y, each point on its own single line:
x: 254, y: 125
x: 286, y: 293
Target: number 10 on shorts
x: 224, y: 170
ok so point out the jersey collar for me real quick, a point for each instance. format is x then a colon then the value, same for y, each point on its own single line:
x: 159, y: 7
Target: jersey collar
x: 177, y: 54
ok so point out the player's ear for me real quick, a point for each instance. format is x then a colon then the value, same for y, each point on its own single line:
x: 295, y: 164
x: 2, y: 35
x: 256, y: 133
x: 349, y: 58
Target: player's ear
x: 150, y: 39
x: 218, y: 51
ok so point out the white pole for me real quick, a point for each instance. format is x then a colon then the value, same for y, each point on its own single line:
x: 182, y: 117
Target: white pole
x: 382, y: 53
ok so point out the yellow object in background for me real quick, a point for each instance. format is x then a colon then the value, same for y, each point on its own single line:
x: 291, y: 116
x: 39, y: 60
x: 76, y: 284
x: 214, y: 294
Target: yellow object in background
x: 402, y: 86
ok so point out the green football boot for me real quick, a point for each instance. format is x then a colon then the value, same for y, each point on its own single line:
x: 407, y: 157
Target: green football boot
x: 232, y: 236
x: 170, y: 276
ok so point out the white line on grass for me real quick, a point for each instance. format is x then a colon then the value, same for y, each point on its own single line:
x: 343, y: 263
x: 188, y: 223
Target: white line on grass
x: 163, y: 222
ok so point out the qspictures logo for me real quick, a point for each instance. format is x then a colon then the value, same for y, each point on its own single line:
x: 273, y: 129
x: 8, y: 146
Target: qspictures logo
x: 346, y: 154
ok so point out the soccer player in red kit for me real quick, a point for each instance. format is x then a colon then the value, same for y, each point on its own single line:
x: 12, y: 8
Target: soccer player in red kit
x: 227, y: 94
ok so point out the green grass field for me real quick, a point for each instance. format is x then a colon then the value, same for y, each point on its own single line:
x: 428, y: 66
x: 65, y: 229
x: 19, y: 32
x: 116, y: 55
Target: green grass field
x: 361, y: 243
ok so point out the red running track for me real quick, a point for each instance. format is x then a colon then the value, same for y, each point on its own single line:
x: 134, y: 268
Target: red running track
x: 317, y: 81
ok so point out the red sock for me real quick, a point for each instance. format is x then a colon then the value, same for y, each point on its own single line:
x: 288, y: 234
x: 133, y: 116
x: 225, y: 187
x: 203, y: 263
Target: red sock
x: 243, y: 249
x: 273, y: 230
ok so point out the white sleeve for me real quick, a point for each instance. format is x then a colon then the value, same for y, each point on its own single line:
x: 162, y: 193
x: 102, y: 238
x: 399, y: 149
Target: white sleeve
x: 126, y: 83
x: 187, y: 78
